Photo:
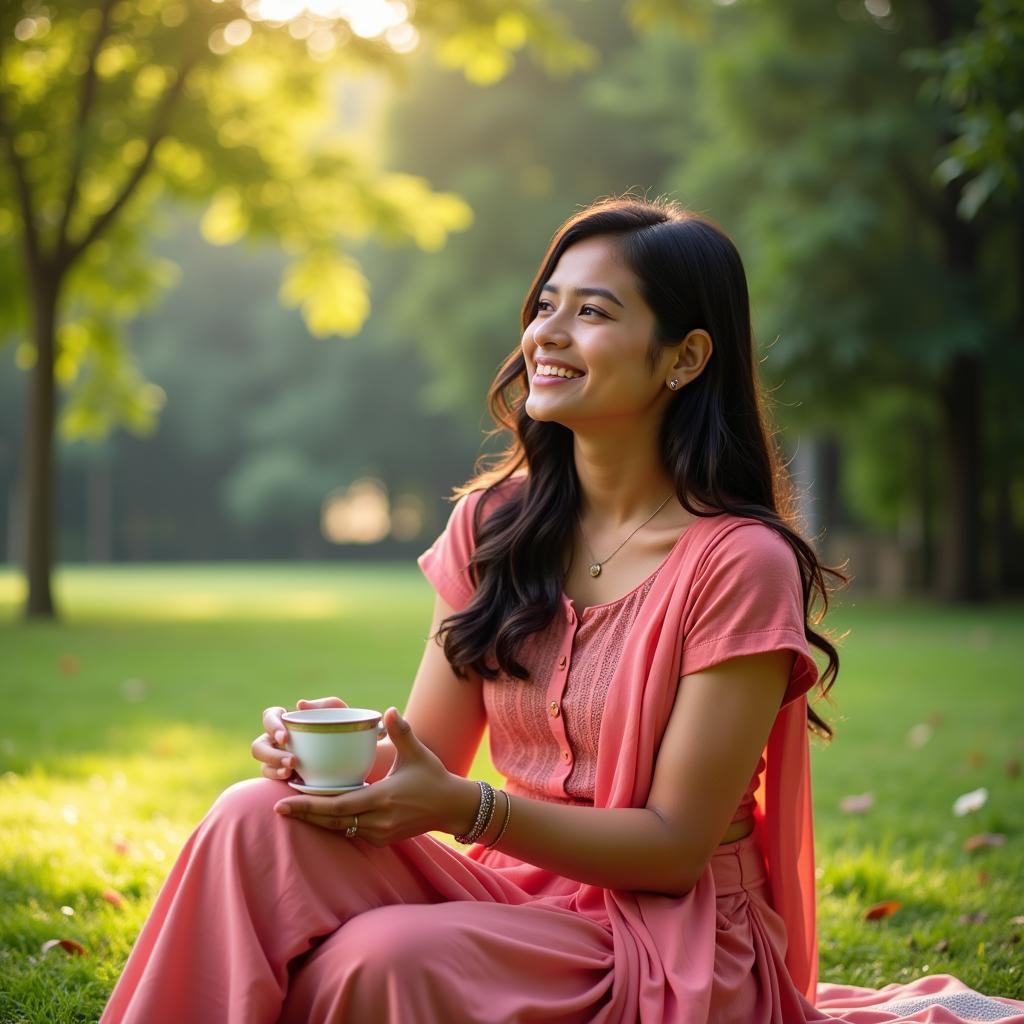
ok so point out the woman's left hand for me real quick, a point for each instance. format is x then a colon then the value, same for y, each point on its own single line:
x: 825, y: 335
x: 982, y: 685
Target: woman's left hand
x: 418, y: 795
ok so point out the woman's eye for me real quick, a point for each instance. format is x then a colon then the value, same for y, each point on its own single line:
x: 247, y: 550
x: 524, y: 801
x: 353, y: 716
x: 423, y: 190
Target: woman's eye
x: 543, y: 304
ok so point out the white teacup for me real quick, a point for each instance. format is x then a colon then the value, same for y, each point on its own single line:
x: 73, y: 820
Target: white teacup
x: 334, y: 747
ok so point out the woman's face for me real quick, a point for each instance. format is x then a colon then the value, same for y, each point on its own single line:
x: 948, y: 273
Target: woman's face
x: 592, y: 320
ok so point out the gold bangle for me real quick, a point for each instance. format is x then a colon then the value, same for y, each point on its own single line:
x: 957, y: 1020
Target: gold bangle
x: 508, y: 814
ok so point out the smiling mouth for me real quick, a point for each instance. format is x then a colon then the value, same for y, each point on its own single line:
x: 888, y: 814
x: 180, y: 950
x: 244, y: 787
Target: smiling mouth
x: 556, y: 372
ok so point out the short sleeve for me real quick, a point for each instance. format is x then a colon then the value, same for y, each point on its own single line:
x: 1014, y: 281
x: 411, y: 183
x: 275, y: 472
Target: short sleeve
x: 747, y: 598
x: 446, y: 562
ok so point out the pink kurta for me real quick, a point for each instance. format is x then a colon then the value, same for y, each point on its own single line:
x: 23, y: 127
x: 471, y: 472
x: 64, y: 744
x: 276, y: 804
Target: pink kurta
x: 264, y: 919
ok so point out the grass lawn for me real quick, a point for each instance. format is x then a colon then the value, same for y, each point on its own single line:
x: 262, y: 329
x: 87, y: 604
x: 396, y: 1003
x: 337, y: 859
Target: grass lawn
x: 119, y: 727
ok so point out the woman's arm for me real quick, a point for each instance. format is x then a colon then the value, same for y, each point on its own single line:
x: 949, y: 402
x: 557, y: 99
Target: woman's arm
x: 718, y: 727
x: 446, y: 713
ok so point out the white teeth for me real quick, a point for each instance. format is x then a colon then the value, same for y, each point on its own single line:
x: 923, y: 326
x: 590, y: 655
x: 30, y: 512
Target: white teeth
x: 545, y: 370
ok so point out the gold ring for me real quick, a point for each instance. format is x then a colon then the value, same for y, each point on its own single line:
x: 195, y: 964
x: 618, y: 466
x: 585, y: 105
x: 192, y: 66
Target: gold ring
x: 350, y: 832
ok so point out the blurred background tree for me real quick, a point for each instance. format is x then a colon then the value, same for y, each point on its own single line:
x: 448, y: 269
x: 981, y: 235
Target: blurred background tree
x: 109, y: 107
x: 865, y: 158
x: 868, y: 163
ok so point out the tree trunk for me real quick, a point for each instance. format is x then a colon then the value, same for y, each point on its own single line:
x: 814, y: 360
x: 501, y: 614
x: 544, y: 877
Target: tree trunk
x: 829, y: 481
x: 39, y: 487
x: 960, y: 569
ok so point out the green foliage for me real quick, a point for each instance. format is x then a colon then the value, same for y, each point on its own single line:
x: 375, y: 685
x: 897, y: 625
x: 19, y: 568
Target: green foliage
x: 887, y: 452
x: 524, y: 156
x: 842, y: 270
x: 979, y: 78
x: 201, y: 103
x: 815, y: 143
x: 260, y: 425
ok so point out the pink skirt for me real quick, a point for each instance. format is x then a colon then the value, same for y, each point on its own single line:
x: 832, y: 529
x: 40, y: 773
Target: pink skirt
x: 263, y: 919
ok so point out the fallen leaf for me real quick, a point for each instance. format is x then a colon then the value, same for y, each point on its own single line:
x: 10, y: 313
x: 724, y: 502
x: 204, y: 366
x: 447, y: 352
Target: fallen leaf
x: 1012, y: 768
x: 114, y: 898
x: 69, y: 946
x: 919, y: 735
x: 942, y: 945
x: 857, y: 803
x: 68, y: 664
x: 880, y: 910
x: 983, y: 839
x: 164, y: 747
x: 974, y: 917
x: 968, y: 802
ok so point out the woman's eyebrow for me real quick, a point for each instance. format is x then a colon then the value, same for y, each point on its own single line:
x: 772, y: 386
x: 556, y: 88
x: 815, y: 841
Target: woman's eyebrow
x: 587, y: 290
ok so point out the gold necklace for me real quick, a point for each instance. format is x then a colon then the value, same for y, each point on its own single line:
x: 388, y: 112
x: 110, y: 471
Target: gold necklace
x: 596, y: 566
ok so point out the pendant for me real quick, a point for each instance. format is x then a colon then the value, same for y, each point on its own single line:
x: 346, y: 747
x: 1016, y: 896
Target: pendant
x: 595, y: 569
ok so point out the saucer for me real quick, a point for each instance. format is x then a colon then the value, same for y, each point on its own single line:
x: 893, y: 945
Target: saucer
x: 325, y: 790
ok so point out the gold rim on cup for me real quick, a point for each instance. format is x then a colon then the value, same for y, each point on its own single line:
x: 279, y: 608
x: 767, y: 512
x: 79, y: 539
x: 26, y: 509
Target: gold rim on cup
x: 357, y: 726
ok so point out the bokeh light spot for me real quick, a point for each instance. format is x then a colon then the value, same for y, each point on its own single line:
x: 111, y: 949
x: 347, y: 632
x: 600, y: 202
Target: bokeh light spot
x: 358, y: 515
x: 237, y: 32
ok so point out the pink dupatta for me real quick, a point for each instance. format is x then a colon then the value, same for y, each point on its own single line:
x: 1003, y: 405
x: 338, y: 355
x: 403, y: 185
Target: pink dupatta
x: 660, y: 970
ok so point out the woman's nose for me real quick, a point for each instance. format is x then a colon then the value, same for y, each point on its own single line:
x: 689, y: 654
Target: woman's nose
x: 550, y: 331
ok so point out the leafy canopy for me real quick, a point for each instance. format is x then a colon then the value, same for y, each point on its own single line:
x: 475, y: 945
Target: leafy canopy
x: 112, y: 113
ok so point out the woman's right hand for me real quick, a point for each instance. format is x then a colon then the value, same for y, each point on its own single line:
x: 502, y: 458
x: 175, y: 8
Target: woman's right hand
x: 268, y: 747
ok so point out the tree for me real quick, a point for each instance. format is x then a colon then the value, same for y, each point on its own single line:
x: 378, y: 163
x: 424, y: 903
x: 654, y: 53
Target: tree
x: 109, y: 107
x: 524, y: 156
x: 842, y: 145
x: 821, y: 137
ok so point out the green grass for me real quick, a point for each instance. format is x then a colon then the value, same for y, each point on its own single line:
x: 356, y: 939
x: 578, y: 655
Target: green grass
x: 119, y: 726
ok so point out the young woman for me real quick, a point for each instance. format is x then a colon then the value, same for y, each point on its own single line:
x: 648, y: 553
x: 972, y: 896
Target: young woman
x: 625, y: 602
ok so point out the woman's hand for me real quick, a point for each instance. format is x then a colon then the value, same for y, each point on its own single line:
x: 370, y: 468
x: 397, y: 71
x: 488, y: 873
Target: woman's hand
x: 278, y: 763
x: 418, y: 795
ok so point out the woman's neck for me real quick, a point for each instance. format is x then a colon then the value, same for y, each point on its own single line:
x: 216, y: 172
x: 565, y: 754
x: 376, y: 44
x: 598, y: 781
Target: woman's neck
x: 622, y: 480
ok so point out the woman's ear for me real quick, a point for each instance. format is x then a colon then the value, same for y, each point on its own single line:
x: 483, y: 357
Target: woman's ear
x: 692, y: 356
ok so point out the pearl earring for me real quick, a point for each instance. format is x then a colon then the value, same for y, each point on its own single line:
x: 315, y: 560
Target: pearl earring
x: 674, y: 383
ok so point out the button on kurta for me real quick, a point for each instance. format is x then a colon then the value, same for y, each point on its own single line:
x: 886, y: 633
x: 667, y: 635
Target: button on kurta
x: 553, y: 710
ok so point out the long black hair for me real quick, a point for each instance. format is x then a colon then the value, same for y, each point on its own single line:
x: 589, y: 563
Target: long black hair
x: 714, y: 440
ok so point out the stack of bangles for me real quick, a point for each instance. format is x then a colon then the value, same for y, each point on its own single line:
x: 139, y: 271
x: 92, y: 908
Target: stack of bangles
x: 484, y: 816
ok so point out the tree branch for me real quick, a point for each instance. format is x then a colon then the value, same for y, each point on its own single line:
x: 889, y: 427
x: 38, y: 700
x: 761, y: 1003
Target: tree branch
x: 159, y: 129
x: 24, y: 192
x: 84, y: 107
